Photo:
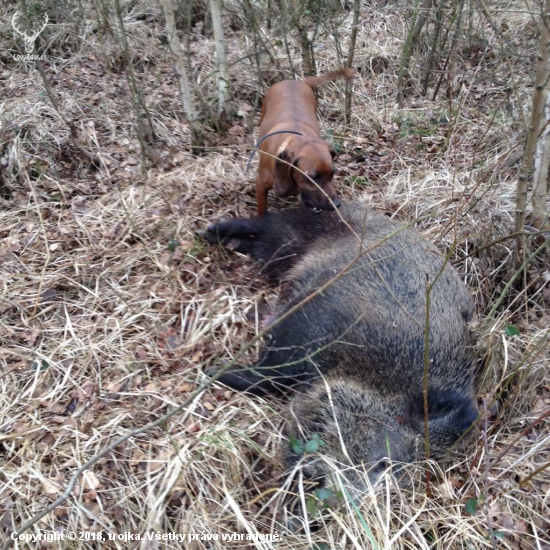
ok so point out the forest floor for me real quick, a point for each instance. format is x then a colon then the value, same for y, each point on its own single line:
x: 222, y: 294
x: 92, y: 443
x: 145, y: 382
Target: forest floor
x: 112, y: 308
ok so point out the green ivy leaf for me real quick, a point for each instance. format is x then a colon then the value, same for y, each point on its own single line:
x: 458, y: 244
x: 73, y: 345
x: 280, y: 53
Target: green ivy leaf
x: 429, y: 536
x: 40, y: 365
x: 324, y: 493
x: 172, y: 243
x: 312, y: 446
x: 297, y: 445
x: 471, y: 506
x: 511, y: 330
x: 311, y: 506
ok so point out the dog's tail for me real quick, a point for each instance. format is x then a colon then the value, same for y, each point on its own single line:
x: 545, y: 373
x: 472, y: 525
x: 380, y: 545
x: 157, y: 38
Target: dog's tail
x: 314, y: 81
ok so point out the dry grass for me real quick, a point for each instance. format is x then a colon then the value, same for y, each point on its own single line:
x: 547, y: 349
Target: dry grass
x: 107, y: 325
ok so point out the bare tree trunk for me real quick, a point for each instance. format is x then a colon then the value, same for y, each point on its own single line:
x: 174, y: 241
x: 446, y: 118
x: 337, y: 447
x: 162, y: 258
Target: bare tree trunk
x: 541, y: 81
x: 351, y: 54
x: 308, y: 57
x: 53, y: 100
x: 307, y: 51
x: 286, y: 25
x: 186, y: 94
x: 224, y: 91
x: 261, y: 45
x: 102, y: 13
x: 542, y: 156
x: 449, y: 61
x: 542, y: 165
x: 145, y: 131
x: 419, y: 17
x: 434, y: 45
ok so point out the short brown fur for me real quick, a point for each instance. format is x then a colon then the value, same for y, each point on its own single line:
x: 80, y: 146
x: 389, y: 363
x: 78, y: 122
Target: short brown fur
x: 290, y: 105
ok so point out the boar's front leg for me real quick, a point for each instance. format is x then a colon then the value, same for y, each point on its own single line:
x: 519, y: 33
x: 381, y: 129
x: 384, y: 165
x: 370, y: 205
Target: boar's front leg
x: 245, y: 378
x: 275, y: 373
x: 224, y: 231
x: 260, y: 238
x: 248, y: 236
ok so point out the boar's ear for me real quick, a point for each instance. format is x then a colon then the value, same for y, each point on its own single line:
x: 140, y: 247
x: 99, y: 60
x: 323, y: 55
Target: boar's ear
x: 283, y: 181
x: 450, y: 416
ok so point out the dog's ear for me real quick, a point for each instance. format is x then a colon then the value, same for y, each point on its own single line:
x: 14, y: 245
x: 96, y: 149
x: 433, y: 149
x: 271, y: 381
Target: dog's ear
x: 283, y: 181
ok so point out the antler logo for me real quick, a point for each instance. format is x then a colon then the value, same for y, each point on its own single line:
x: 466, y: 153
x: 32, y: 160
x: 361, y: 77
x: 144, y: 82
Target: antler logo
x: 29, y: 39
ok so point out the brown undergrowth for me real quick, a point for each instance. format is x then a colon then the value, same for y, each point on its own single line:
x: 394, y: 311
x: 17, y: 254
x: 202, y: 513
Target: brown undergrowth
x: 111, y: 307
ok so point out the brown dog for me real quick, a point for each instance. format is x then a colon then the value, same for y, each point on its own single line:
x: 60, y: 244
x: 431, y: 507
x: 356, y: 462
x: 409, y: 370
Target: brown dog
x: 289, y: 111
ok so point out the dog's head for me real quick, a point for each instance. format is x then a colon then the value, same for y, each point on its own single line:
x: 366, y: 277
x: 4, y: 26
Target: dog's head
x: 313, y: 177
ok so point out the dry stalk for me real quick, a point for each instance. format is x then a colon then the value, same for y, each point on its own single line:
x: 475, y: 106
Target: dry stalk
x: 486, y: 474
x: 418, y: 20
x: 530, y: 149
x: 438, y: 25
x: 186, y: 91
x: 351, y: 54
x: 452, y: 51
x: 542, y: 159
x: 224, y: 91
x: 144, y: 124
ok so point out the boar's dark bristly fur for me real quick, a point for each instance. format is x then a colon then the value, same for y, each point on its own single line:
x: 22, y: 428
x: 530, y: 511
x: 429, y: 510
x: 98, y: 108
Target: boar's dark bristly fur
x: 354, y: 353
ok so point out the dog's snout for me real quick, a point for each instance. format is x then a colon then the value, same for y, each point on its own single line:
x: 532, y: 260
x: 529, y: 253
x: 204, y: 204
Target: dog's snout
x: 317, y: 203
